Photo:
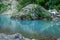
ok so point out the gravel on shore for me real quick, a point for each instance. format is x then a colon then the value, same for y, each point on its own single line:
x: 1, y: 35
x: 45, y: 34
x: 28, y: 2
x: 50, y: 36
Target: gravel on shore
x: 16, y: 36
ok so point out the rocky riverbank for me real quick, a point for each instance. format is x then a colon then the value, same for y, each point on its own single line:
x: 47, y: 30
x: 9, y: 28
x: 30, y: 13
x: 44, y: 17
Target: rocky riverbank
x: 16, y: 36
x: 29, y: 12
x: 36, y: 12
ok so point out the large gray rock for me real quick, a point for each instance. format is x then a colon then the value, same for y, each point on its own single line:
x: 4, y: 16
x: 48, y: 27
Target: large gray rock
x: 32, y: 11
x: 55, y: 15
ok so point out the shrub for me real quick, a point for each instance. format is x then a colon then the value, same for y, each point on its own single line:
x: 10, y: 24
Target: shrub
x: 2, y: 7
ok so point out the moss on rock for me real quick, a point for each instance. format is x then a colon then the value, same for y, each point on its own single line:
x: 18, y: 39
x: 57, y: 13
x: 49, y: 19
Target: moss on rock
x: 32, y: 11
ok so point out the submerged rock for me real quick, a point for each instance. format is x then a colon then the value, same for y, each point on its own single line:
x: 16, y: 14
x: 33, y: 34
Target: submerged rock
x: 32, y: 12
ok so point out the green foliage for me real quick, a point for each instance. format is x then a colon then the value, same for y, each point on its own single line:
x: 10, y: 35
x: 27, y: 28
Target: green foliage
x: 22, y: 3
x: 48, y: 4
x: 2, y: 7
x: 39, y: 1
x: 43, y: 14
x: 57, y: 6
x: 53, y: 4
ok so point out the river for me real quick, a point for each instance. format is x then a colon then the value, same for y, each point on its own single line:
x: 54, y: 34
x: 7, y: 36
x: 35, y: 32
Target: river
x: 43, y: 27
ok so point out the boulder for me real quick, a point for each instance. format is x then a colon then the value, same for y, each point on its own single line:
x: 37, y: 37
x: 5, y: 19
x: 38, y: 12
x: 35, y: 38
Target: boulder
x: 32, y: 11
